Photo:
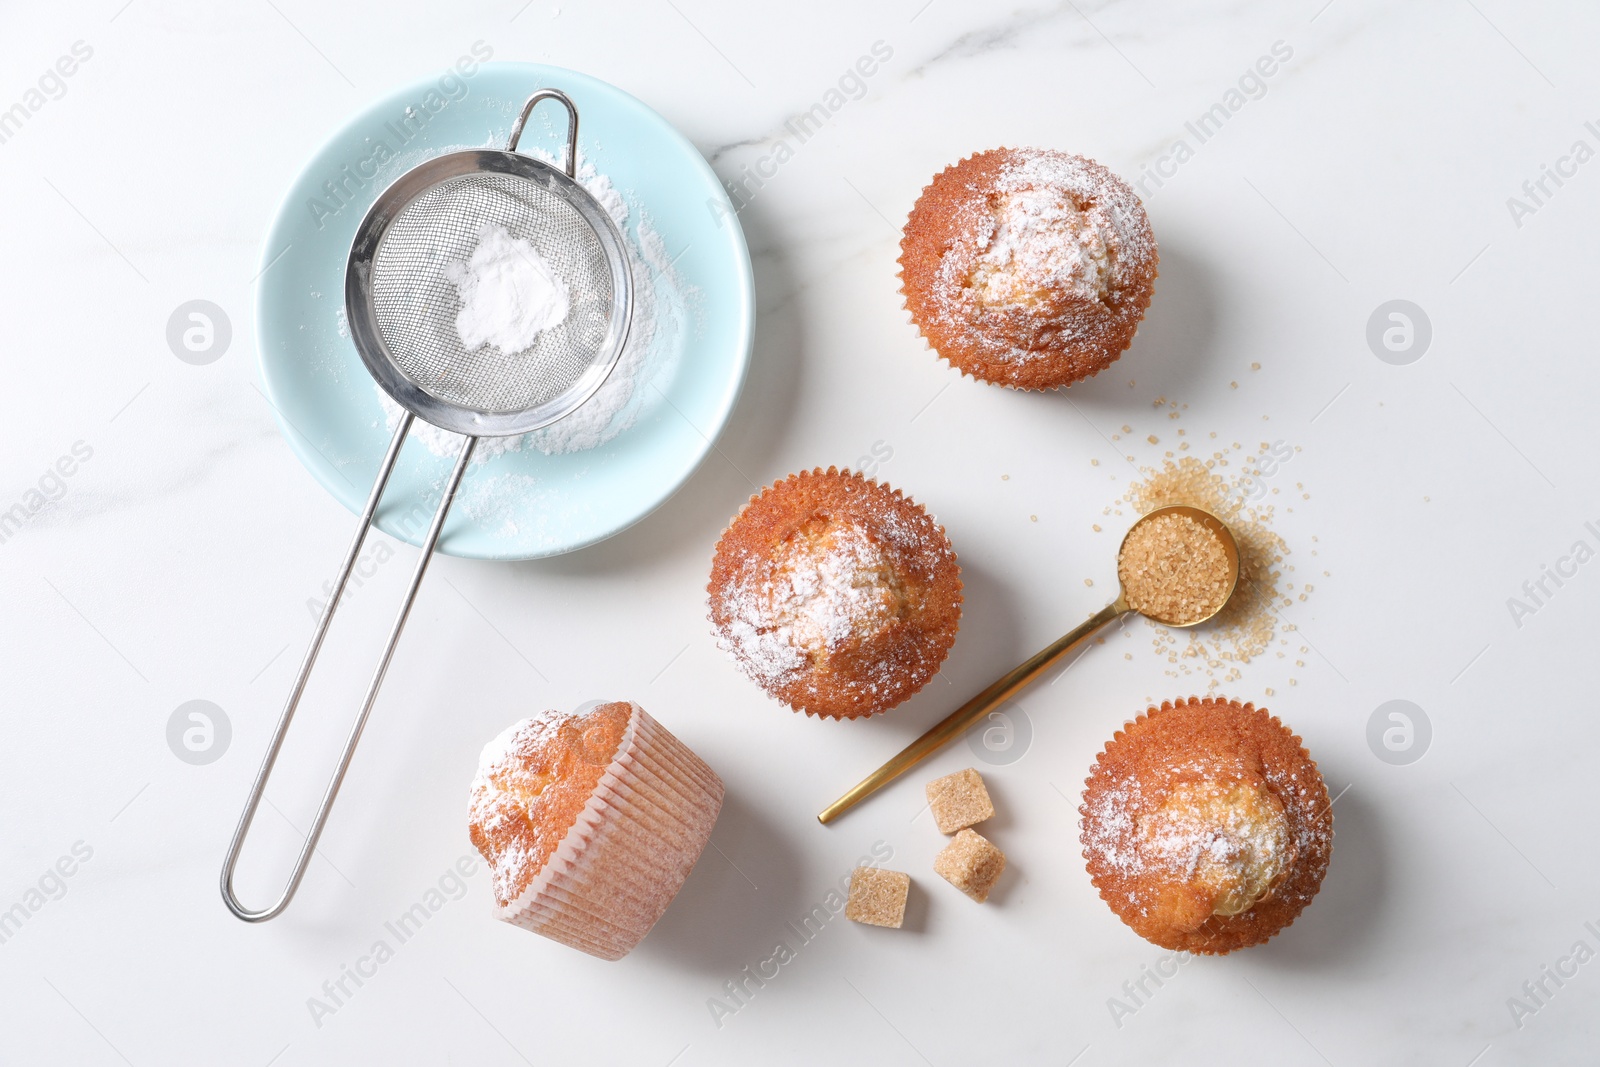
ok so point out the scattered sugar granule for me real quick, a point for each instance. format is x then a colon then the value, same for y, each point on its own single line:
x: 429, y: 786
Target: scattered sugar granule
x: 1248, y: 625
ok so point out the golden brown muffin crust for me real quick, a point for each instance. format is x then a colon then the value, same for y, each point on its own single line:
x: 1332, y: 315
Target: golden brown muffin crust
x: 836, y: 594
x: 1196, y: 808
x: 1028, y: 267
x: 532, y: 783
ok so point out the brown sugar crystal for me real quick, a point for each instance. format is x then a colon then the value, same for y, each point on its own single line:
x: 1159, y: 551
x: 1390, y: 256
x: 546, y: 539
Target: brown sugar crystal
x: 959, y: 800
x: 971, y: 863
x: 877, y: 897
x: 1175, y: 569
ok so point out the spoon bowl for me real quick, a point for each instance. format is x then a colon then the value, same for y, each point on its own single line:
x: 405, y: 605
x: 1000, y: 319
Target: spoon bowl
x: 1224, y: 536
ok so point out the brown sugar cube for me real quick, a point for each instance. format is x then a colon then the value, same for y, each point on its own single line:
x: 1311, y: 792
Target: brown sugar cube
x: 958, y: 800
x: 877, y: 897
x: 971, y: 863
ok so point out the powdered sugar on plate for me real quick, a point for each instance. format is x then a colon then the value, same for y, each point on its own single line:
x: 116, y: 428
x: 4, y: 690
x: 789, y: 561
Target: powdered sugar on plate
x: 496, y: 502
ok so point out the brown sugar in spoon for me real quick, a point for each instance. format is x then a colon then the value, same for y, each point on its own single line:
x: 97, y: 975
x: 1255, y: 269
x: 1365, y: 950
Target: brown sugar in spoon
x: 1177, y: 565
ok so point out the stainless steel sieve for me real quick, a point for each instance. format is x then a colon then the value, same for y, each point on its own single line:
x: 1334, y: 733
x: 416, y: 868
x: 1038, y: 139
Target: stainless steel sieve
x: 401, y: 307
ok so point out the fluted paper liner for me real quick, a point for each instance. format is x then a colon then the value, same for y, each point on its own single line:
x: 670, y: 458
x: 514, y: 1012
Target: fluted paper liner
x: 630, y: 849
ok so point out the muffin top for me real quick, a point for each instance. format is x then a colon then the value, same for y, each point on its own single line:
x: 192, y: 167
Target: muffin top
x: 533, y: 781
x: 1206, y: 825
x: 837, y: 595
x: 1028, y: 267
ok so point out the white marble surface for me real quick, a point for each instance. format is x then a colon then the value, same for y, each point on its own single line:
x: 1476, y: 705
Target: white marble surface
x: 1375, y: 165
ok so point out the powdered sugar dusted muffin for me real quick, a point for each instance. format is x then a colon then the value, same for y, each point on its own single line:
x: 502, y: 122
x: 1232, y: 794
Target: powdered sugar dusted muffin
x: 1028, y: 267
x: 1206, y: 825
x: 837, y: 595
x: 590, y: 823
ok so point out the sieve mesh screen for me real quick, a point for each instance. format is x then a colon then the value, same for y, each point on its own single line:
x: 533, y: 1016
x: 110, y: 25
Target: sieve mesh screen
x: 415, y: 304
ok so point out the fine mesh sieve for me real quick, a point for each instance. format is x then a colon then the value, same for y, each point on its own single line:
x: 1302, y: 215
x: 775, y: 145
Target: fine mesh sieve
x: 402, y: 307
x: 412, y: 298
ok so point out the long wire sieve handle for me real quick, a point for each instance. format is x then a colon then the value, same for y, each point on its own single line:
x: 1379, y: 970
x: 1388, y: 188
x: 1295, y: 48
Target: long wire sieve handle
x: 572, y: 125
x: 259, y: 788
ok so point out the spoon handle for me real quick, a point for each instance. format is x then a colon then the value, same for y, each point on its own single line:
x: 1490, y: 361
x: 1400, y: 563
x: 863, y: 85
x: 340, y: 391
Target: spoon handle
x: 954, y: 724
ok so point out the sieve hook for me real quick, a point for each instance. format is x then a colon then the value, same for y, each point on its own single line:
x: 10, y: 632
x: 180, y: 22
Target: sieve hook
x: 572, y: 125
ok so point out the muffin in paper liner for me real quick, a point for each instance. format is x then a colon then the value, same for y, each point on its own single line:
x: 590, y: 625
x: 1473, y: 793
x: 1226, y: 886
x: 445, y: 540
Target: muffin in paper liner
x: 590, y: 823
x: 1027, y: 268
x: 1206, y: 825
x: 836, y: 594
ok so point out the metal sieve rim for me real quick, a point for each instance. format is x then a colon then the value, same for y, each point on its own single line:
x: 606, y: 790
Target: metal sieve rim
x: 361, y: 312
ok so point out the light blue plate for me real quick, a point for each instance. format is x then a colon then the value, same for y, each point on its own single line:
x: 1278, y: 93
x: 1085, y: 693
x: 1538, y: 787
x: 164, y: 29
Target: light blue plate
x: 523, y: 504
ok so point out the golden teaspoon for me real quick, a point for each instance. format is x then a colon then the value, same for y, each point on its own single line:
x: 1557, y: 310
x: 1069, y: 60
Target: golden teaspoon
x: 954, y: 724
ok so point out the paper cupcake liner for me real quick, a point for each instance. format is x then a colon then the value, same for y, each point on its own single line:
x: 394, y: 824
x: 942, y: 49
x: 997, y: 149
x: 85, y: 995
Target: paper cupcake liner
x: 630, y: 849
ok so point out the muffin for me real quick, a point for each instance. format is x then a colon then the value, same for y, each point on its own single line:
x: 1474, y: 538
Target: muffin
x: 589, y: 823
x: 838, y: 596
x: 1206, y: 825
x: 1027, y: 267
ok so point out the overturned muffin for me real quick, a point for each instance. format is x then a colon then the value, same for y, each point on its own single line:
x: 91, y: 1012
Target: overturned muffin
x: 838, y: 596
x: 590, y: 823
x: 1028, y: 267
x: 1206, y: 826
